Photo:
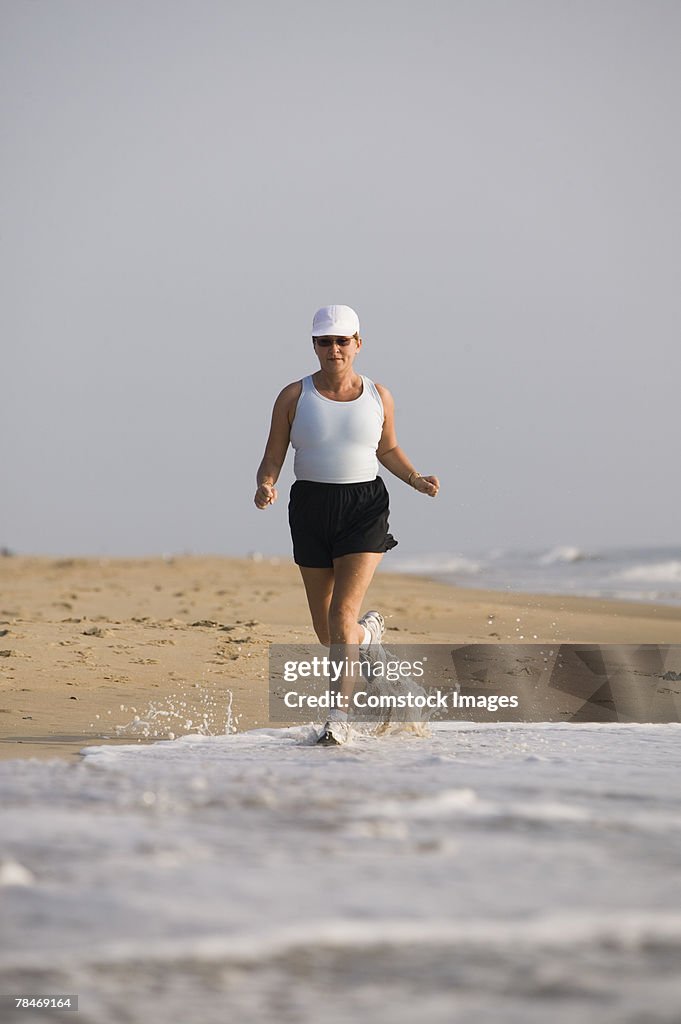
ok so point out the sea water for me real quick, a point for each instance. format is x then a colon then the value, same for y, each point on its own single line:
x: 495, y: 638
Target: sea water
x: 481, y: 873
x: 648, y: 574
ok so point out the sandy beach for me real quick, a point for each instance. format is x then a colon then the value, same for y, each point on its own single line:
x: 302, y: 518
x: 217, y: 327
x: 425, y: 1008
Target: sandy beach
x: 500, y: 872
x: 87, y: 645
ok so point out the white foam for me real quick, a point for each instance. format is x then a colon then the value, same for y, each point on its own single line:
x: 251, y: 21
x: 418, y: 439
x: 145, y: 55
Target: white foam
x: 655, y: 572
x: 562, y: 553
x: 558, y: 932
x: 13, y: 873
x: 260, y: 850
x: 435, y: 563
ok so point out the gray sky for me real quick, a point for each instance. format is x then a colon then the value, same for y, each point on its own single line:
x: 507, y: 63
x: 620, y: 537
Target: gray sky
x: 493, y: 186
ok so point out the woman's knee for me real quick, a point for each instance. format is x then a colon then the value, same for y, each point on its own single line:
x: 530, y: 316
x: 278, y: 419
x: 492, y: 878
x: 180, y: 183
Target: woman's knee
x: 343, y: 623
x: 323, y: 634
x: 320, y: 624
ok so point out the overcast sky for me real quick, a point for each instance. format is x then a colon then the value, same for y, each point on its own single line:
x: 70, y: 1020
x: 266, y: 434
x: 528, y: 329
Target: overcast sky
x: 494, y: 185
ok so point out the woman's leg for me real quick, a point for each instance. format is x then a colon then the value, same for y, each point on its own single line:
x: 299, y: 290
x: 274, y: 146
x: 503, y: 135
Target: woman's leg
x: 335, y: 596
x: 352, y: 575
x: 319, y: 589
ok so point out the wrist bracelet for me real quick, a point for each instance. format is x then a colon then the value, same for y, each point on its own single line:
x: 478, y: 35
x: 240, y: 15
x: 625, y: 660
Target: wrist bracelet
x: 413, y: 474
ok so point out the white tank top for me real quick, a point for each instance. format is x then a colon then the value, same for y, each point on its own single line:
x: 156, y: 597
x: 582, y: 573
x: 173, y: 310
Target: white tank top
x: 336, y: 442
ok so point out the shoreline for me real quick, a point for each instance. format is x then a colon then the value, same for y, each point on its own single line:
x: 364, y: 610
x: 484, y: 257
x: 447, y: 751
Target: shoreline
x: 164, y: 640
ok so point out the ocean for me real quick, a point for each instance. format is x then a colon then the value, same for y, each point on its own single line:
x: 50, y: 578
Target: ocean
x: 486, y: 874
x: 649, y: 574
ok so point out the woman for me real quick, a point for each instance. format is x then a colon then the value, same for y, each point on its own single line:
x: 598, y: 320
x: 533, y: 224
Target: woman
x: 341, y: 426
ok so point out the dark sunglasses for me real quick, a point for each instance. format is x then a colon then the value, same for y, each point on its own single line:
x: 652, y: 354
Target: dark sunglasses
x: 328, y: 340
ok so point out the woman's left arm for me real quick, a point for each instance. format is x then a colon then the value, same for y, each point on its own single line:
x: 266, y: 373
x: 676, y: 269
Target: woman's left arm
x: 390, y: 455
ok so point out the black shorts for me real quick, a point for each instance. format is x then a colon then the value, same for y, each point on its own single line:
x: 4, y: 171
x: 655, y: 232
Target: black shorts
x: 330, y: 520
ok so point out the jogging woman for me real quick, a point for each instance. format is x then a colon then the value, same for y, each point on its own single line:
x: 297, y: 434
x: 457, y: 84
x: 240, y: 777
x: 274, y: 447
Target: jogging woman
x: 341, y: 425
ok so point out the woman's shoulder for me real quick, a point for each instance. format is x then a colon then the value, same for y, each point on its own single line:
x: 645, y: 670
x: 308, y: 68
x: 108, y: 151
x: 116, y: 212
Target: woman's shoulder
x: 291, y: 393
x: 382, y: 390
x: 287, y: 400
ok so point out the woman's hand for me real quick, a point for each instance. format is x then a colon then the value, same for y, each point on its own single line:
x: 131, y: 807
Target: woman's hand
x: 427, y: 485
x: 265, y: 495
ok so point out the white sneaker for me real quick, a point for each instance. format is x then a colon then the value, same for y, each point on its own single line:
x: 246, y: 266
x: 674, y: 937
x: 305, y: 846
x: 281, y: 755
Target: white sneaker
x: 373, y: 651
x: 375, y: 623
x: 334, y: 734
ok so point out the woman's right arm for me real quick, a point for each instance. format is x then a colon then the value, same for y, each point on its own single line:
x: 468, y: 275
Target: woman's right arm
x: 277, y: 444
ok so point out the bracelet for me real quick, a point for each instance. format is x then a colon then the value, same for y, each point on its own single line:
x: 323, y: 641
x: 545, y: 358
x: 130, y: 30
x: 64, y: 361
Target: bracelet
x: 413, y: 474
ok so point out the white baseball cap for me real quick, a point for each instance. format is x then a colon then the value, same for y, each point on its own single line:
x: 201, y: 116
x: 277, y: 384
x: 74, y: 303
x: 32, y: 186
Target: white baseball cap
x: 338, y: 320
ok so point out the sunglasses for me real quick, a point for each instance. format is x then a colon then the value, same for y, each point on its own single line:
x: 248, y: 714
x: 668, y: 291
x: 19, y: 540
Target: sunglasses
x: 328, y: 340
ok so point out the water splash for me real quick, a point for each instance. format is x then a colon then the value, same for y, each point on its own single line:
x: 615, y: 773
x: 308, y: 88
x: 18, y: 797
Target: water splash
x: 197, y: 709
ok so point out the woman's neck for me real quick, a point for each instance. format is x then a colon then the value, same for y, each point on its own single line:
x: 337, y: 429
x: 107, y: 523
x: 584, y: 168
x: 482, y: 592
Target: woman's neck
x: 337, y: 383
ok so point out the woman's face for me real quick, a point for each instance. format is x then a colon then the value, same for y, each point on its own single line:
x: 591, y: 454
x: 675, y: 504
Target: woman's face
x: 337, y: 353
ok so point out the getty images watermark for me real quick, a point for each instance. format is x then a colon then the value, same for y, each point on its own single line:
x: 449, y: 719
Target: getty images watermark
x: 478, y: 682
x: 402, y: 690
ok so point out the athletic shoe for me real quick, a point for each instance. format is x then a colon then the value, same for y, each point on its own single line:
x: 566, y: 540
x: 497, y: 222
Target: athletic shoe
x: 334, y: 734
x: 375, y: 623
x: 373, y: 651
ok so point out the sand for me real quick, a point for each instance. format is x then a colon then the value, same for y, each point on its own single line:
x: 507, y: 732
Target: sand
x: 87, y: 645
